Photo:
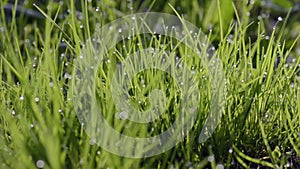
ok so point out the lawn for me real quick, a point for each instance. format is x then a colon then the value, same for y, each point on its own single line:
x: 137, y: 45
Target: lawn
x: 149, y: 84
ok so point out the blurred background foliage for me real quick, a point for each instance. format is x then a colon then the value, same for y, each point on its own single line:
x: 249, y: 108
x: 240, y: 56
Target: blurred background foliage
x: 202, y: 13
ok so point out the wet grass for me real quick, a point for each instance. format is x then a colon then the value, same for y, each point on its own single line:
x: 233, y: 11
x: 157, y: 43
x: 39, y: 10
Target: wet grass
x: 39, y: 125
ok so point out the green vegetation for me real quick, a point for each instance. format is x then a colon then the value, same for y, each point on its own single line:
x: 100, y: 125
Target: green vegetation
x: 260, y: 56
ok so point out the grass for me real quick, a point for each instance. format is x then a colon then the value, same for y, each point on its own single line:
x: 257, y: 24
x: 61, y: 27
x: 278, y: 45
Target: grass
x: 39, y: 124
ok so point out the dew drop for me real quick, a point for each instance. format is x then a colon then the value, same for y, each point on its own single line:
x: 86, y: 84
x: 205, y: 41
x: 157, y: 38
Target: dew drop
x: 21, y: 98
x: 267, y: 37
x: 51, y: 84
x: 265, y: 74
x: 40, y: 164
x: 37, y: 99
x: 259, y: 17
x: 211, y: 158
x: 67, y: 76
x: 287, y: 165
x: 92, y: 141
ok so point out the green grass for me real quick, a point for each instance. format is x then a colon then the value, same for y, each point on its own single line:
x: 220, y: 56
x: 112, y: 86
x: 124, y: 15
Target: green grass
x: 259, y: 127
